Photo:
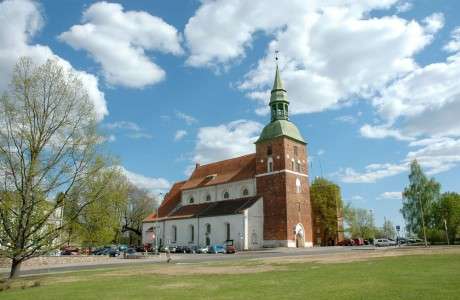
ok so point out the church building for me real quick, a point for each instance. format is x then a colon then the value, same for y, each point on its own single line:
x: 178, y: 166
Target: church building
x: 253, y: 201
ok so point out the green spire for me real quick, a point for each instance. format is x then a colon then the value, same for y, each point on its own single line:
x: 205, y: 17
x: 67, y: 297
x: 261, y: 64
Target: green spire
x: 279, y: 125
x: 278, y: 100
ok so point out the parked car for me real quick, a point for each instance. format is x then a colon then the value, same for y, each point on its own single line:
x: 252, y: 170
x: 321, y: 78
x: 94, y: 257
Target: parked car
x: 346, y: 242
x: 381, y: 243
x: 216, y: 249
x: 358, y: 242
x: 401, y: 240
x: 191, y: 249
x: 202, y: 250
x: 70, y: 251
x: 392, y: 242
x: 113, y: 252
x: 181, y: 249
x: 230, y: 249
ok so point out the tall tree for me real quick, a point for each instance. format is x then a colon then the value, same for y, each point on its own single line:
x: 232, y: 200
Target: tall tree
x: 326, y: 201
x: 100, y: 222
x: 449, y: 214
x: 139, y: 205
x: 388, y: 229
x: 47, y: 145
x: 418, y: 201
x: 360, y: 222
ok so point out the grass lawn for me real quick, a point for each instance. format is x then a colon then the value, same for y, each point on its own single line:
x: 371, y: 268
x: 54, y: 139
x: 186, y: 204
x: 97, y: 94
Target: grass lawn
x: 405, y: 277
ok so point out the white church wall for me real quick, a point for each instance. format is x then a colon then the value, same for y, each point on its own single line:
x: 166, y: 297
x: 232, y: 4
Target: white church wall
x: 218, y: 230
x: 255, y: 228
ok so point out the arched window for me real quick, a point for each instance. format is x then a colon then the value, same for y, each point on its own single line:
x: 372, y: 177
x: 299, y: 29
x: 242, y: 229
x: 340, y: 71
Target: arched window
x: 269, y: 150
x: 226, y: 195
x: 295, y: 151
x: 292, y: 165
x: 192, y: 233
x: 245, y: 192
x: 208, y: 229
x: 297, y: 167
x: 298, y: 186
x: 208, y: 197
x: 270, y: 164
x: 173, y: 233
x: 191, y: 200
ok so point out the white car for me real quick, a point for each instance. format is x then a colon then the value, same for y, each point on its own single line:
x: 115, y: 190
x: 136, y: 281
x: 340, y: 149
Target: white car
x: 381, y: 243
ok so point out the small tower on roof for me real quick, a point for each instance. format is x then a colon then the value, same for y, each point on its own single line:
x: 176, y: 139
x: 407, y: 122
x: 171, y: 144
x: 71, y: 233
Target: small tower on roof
x: 278, y: 99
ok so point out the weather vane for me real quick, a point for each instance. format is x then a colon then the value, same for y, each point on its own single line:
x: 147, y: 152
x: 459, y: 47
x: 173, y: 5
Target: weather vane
x: 276, y: 55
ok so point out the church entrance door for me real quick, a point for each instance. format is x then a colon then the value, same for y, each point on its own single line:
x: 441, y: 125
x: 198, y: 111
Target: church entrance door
x: 299, y: 236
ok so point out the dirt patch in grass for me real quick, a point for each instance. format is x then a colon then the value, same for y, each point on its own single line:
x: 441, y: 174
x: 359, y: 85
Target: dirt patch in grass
x: 359, y: 255
x: 181, y: 270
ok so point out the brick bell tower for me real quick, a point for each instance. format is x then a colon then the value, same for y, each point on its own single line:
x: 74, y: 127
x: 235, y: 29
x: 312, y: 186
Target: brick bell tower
x: 282, y: 177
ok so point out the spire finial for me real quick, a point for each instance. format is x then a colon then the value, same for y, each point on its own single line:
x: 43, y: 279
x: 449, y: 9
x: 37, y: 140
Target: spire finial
x: 276, y: 56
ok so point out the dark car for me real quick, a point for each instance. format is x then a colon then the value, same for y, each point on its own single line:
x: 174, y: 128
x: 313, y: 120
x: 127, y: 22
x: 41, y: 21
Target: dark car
x: 113, y: 252
x: 191, y: 249
x: 180, y: 249
x: 358, y: 242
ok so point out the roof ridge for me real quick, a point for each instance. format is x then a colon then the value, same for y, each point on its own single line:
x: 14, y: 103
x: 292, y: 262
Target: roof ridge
x: 208, y: 164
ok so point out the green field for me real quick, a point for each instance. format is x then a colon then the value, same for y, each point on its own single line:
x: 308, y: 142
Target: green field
x: 405, y: 277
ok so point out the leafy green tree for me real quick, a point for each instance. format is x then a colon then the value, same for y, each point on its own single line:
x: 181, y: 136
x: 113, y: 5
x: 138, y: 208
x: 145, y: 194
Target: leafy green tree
x: 360, y: 222
x: 99, y: 222
x: 388, y: 229
x: 48, y: 142
x: 326, y: 201
x: 419, y: 199
x: 449, y: 212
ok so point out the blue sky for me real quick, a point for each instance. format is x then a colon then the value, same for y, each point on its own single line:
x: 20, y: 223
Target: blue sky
x: 372, y: 84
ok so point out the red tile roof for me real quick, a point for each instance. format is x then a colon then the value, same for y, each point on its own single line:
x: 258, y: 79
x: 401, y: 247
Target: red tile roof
x: 224, y: 171
x: 170, y: 201
x: 219, y: 208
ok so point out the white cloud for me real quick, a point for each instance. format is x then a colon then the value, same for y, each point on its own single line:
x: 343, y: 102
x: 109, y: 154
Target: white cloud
x: 391, y: 196
x: 149, y: 183
x: 133, y: 130
x: 380, y: 132
x: 180, y: 134
x: 318, y: 74
x: 427, y: 101
x: 119, y: 40
x: 404, y: 7
x: 140, y: 135
x: 371, y: 174
x: 189, y: 120
x: 454, y: 44
x: 435, y: 155
x: 20, y: 21
x: 123, y: 125
x: 226, y: 141
x: 434, y: 22
x: 347, y: 119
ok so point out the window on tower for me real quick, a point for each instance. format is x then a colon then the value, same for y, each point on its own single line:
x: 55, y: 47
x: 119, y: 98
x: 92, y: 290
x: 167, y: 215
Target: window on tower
x: 269, y: 150
x: 270, y: 164
x: 295, y: 151
x: 297, y: 167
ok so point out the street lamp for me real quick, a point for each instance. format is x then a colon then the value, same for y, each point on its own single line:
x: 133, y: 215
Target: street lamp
x: 156, y: 227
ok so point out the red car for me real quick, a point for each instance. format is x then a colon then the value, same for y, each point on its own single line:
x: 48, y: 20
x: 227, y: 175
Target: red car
x: 230, y: 249
x: 346, y: 242
x: 359, y: 242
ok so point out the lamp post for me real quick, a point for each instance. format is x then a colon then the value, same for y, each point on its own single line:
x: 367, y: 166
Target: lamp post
x: 156, y: 228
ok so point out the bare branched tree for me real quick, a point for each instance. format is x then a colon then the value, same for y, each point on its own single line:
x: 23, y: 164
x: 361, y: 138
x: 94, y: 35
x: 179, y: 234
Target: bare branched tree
x: 48, y: 144
x: 139, y: 205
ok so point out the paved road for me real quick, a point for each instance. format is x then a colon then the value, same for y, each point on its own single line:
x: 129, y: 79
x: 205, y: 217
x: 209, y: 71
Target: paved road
x: 194, y: 258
